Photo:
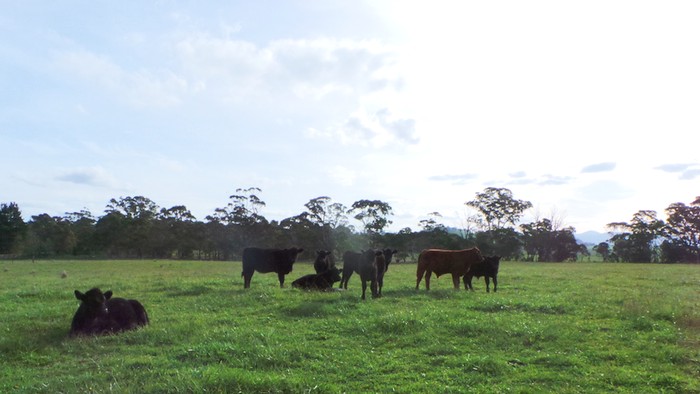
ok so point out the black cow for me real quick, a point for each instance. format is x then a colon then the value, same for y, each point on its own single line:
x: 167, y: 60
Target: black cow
x: 268, y: 260
x: 383, y: 266
x: 488, y: 268
x: 323, y: 261
x: 321, y: 281
x: 352, y: 260
x: 99, y: 314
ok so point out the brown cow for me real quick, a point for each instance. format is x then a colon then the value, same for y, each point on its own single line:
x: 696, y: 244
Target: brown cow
x: 455, y: 262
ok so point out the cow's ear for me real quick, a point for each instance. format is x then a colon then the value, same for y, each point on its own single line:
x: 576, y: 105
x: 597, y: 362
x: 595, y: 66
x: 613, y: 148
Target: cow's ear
x: 79, y: 295
x: 300, y: 250
x: 108, y: 294
x: 394, y: 251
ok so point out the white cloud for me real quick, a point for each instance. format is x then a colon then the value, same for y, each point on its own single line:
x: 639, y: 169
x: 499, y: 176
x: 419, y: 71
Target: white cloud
x: 342, y: 175
x: 143, y: 88
x: 377, y: 130
x: 284, y: 69
x: 89, y: 176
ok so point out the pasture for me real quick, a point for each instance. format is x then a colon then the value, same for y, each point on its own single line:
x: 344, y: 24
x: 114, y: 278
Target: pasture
x: 565, y: 328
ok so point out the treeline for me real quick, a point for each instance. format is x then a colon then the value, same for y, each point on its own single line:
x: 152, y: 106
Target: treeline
x: 136, y: 227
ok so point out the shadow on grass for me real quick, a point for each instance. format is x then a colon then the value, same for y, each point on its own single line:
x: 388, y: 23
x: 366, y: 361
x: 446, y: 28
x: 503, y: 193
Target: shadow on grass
x: 502, y: 307
x: 412, y: 292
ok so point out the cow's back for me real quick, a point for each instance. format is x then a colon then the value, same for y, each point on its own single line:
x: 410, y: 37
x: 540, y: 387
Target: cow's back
x: 125, y: 314
x: 258, y: 259
x: 351, y: 261
x: 441, y: 261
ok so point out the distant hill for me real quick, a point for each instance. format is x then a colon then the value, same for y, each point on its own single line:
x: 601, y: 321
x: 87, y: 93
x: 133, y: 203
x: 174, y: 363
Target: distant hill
x: 586, y: 237
x: 592, y: 237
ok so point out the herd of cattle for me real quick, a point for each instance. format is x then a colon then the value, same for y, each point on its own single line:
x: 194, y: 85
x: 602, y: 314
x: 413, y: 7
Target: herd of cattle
x: 99, y: 313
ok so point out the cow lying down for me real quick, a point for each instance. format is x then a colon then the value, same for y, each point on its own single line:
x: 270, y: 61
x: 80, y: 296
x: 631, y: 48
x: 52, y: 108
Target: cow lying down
x: 322, y: 281
x: 100, y: 314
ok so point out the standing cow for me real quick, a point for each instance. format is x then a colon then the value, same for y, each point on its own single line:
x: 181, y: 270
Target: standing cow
x: 352, y: 260
x: 323, y: 261
x: 487, y: 268
x: 268, y: 260
x: 455, y: 262
x: 351, y: 263
x: 383, y: 266
x: 99, y: 314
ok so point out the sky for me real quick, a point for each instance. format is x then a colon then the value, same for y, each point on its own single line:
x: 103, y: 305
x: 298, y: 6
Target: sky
x: 589, y: 110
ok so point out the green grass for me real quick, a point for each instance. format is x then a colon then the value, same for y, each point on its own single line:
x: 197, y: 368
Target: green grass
x: 565, y: 328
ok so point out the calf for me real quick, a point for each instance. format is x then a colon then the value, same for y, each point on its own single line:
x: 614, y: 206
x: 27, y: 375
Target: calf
x: 320, y: 281
x: 268, y: 260
x: 487, y: 268
x: 99, y: 314
x: 454, y: 262
x: 323, y: 261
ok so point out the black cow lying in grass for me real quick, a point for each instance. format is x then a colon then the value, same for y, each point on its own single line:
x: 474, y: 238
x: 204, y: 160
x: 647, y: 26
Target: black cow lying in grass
x: 99, y: 314
x: 322, y: 281
x: 488, y: 268
x: 323, y: 261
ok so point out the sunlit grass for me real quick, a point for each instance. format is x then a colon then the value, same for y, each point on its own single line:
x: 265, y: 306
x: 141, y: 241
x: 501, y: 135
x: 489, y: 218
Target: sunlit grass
x: 551, y: 327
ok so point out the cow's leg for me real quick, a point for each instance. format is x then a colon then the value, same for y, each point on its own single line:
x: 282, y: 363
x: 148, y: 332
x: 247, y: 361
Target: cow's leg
x: 281, y: 278
x: 364, y: 288
x: 246, y: 279
x: 455, y: 281
x: 428, y: 273
x: 419, y: 277
x: 488, y: 283
x: 347, y: 273
x: 373, y: 287
x: 467, y: 282
x: 495, y: 282
x: 380, y: 283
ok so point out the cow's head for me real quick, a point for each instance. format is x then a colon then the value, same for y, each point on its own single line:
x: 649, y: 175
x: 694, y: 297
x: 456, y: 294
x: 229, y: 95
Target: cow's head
x: 292, y: 253
x: 322, y: 254
x: 368, y: 255
x: 333, y: 275
x: 94, y: 300
x: 493, y: 261
x: 388, y: 254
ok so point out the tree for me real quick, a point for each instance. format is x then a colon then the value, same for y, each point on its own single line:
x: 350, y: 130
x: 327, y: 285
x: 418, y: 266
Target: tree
x: 545, y: 243
x: 682, y: 233
x: 132, y: 220
x: 373, y: 215
x: 505, y: 242
x: 431, y: 224
x: 327, y: 217
x: 635, y: 242
x: 12, y: 227
x: 498, y: 207
x: 241, y: 220
x: 177, y: 232
x: 50, y: 236
x: 83, y: 226
x: 603, y: 249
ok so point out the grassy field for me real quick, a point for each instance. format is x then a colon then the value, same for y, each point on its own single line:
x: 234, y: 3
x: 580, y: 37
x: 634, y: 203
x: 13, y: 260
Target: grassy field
x: 565, y: 328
